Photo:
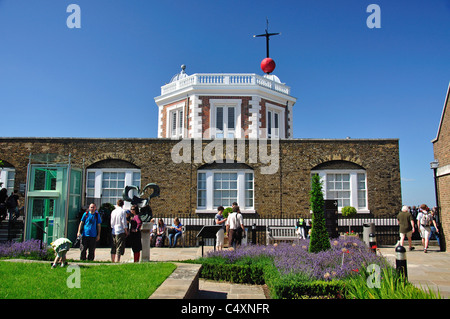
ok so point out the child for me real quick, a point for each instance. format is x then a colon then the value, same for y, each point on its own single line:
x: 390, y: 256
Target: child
x: 61, y: 247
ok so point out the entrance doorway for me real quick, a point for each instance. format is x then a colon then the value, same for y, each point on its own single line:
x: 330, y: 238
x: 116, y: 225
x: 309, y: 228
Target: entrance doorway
x: 53, y: 198
x: 42, y: 214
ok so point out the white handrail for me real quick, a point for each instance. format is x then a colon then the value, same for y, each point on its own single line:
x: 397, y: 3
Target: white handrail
x: 216, y: 79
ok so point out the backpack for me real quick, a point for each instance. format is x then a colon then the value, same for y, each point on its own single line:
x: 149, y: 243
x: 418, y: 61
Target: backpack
x: 425, y: 220
x: 85, y: 216
x: 159, y: 241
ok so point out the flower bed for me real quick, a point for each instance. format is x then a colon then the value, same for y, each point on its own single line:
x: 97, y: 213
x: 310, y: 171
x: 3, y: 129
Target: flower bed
x: 27, y: 249
x: 346, y: 257
x: 290, y: 271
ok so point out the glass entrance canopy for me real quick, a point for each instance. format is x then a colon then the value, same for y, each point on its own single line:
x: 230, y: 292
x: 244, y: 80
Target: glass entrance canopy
x: 53, y: 198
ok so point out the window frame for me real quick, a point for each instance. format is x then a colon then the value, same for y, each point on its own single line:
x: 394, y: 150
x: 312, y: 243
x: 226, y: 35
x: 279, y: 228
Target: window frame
x: 242, y: 191
x: 225, y: 104
x: 98, y: 181
x: 178, y: 110
x: 7, y: 180
x: 271, y: 111
x: 354, y: 190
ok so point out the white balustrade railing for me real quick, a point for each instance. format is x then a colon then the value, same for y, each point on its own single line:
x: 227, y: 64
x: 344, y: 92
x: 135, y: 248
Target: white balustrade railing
x: 207, y: 79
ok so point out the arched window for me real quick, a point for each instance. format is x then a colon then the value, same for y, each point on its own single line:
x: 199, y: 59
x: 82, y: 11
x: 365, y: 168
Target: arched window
x: 105, y: 180
x: 345, y: 182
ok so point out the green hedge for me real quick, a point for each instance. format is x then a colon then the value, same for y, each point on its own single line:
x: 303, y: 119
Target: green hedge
x: 263, y: 272
x: 295, y: 286
x: 233, y: 273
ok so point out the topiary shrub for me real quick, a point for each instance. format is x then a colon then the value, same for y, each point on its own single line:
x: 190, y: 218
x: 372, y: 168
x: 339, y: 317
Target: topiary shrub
x: 319, y: 235
x: 227, y: 211
x: 349, y: 211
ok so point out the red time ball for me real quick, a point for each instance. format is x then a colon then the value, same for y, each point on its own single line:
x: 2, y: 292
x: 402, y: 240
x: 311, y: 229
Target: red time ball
x: 268, y: 65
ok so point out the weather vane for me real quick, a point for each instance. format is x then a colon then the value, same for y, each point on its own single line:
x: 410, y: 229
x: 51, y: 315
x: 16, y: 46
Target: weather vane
x: 268, y: 64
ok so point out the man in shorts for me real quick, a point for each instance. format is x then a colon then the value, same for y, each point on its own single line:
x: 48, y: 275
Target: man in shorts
x: 424, y: 223
x: 406, y: 223
x: 119, y: 231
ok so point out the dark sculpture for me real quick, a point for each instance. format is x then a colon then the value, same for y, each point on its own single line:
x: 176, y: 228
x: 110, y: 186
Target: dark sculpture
x: 145, y: 211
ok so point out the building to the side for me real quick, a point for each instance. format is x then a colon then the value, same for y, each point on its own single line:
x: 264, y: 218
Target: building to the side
x: 441, y: 147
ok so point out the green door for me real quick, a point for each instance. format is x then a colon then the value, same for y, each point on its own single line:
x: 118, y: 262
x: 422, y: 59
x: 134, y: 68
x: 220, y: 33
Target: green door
x: 42, y: 218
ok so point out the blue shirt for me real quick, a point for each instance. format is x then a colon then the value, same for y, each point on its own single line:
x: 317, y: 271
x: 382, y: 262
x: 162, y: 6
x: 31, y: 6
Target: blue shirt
x: 219, y: 218
x: 90, y: 224
x: 179, y: 226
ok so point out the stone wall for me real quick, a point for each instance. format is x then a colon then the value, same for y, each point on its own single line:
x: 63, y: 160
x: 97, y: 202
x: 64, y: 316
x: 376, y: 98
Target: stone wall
x: 441, y: 147
x: 287, y: 190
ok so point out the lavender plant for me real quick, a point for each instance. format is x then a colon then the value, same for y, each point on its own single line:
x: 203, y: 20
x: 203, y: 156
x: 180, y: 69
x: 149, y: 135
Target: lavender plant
x: 345, y: 258
x: 27, y: 249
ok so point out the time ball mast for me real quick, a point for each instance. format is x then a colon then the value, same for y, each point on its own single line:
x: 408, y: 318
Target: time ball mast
x: 267, y: 64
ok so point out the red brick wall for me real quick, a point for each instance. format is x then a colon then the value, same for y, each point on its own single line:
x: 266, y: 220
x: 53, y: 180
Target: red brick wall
x: 245, y: 113
x: 263, y: 115
x: 164, y: 117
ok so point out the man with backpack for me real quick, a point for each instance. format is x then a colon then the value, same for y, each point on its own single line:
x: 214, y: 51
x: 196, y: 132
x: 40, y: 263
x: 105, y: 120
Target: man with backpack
x: 235, y: 228
x: 89, y: 228
x: 424, y: 225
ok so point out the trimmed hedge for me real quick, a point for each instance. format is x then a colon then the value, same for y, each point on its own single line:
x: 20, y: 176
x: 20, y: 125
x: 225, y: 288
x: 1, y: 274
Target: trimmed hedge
x: 264, y: 272
x: 242, y: 274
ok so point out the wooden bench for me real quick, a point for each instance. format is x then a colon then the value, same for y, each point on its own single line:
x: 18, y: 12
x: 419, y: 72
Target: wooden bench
x: 182, y: 238
x: 284, y: 233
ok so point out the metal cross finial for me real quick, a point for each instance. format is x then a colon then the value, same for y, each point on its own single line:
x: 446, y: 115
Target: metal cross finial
x: 267, y: 35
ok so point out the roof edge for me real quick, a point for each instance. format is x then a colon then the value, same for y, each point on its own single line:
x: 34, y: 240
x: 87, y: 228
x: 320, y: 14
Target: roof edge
x: 447, y: 97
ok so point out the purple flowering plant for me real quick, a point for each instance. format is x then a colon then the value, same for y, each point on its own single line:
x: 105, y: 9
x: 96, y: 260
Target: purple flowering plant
x: 26, y: 249
x: 346, y: 257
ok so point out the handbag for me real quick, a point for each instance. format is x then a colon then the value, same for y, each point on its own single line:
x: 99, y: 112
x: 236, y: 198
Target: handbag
x: 239, y: 230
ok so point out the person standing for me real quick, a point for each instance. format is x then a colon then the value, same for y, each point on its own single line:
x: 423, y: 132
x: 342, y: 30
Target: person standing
x: 12, y: 204
x: 89, y: 228
x: 300, y: 226
x: 119, y: 231
x: 135, y: 233
x: 220, y: 220
x: 3, y: 197
x: 424, y: 222
x: 434, y: 227
x: 406, y: 223
x: 235, y: 227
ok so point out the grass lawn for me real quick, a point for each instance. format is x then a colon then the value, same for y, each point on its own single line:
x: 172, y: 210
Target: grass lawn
x: 39, y: 281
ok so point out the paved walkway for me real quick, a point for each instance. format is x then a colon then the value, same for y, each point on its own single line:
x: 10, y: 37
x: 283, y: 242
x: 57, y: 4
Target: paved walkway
x: 207, y: 289
x: 431, y: 269
x: 427, y: 270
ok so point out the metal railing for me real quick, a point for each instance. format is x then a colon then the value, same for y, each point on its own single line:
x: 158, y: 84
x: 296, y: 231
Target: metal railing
x: 386, y: 228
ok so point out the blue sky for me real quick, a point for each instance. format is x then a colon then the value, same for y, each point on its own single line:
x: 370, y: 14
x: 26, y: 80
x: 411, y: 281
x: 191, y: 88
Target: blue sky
x: 101, y: 80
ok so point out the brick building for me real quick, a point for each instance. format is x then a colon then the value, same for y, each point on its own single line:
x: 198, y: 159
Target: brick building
x: 441, y: 147
x: 224, y: 138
